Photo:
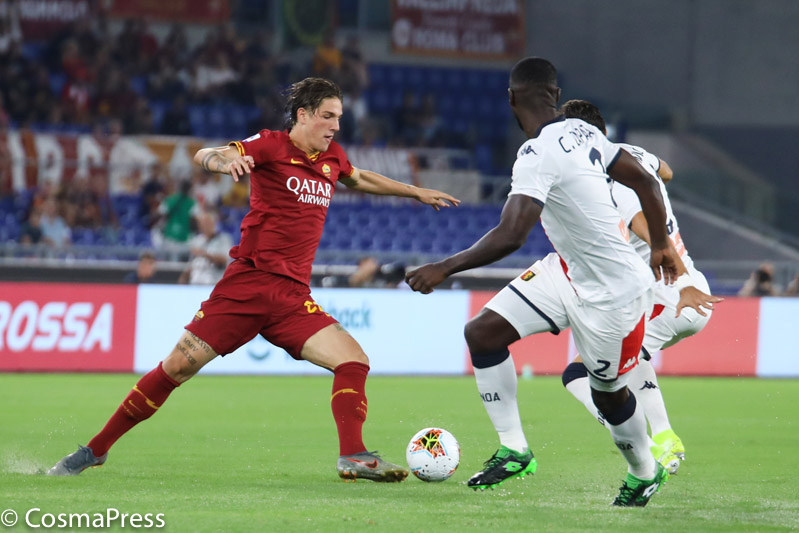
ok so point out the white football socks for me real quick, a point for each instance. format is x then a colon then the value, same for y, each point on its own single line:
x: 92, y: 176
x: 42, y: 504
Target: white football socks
x: 644, y: 384
x: 581, y: 390
x: 497, y: 386
x: 633, y: 442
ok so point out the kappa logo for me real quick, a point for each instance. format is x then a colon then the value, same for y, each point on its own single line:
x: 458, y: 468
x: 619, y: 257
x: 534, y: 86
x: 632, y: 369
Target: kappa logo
x: 527, y: 276
x: 648, y: 385
x: 631, y: 362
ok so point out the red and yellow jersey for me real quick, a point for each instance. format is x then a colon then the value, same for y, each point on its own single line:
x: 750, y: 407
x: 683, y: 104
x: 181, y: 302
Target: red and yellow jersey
x: 290, y: 192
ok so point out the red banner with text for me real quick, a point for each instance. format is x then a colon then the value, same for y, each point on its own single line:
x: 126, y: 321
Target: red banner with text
x: 67, y: 328
x: 464, y: 28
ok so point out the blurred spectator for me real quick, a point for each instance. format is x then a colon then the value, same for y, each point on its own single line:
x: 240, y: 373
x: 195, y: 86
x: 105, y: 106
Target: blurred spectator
x: 10, y: 30
x: 206, y: 188
x: 407, y: 120
x: 54, y: 230
x: 353, y: 65
x: 176, y: 210
x: 140, y: 118
x: 152, y: 194
x: 209, y: 252
x: 370, y: 273
x: 760, y: 282
x: 429, y: 122
x: 176, y: 120
x: 327, y: 58
x: 239, y: 194
x: 31, y: 231
x: 793, y: 287
x: 365, y: 274
x: 145, y: 269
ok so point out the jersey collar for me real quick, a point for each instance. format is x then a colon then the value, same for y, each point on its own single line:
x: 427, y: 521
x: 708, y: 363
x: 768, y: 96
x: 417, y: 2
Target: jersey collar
x: 559, y: 118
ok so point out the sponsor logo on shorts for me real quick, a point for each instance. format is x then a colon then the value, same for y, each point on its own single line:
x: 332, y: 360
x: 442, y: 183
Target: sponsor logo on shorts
x: 313, y: 307
x: 527, y: 276
x: 198, y: 315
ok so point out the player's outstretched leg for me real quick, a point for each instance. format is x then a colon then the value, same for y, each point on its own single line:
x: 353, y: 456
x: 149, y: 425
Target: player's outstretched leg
x: 575, y: 379
x: 647, y: 390
x: 349, y: 407
x: 187, y: 358
x: 140, y: 404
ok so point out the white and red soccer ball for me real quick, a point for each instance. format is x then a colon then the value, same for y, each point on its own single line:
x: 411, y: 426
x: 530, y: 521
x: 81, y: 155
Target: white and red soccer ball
x: 433, y: 454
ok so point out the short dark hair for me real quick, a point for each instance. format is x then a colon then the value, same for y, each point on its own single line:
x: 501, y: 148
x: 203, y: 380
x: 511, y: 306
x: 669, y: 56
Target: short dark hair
x: 309, y: 94
x: 533, y: 71
x: 585, y: 111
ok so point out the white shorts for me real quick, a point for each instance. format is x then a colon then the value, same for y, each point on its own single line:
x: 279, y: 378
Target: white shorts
x: 664, y: 330
x: 543, y: 300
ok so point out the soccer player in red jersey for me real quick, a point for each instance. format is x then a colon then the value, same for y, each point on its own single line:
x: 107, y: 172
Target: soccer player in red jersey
x: 266, y: 288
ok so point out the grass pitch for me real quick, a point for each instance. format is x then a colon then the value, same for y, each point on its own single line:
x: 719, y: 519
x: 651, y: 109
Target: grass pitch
x: 258, y: 454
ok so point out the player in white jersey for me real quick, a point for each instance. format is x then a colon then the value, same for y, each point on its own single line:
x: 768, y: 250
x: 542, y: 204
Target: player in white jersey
x: 560, y: 176
x: 669, y: 323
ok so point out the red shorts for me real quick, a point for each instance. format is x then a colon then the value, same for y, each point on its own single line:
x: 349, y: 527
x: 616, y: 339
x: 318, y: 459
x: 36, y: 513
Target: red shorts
x: 248, y: 301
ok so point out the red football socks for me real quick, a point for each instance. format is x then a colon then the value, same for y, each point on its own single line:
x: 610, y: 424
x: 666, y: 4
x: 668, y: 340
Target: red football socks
x: 141, y: 403
x: 349, y: 405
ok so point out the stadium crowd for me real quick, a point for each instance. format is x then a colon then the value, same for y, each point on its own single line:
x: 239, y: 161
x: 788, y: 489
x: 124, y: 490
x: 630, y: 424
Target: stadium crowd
x: 89, y: 78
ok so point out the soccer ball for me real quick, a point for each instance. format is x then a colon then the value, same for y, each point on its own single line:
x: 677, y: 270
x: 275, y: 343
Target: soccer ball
x: 433, y: 454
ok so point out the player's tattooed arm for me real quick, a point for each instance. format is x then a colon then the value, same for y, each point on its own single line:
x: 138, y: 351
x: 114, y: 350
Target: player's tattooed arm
x: 215, y: 162
x: 224, y: 160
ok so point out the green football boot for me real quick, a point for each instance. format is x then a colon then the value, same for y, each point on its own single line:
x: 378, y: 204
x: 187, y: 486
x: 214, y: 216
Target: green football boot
x: 636, y: 492
x: 504, y: 464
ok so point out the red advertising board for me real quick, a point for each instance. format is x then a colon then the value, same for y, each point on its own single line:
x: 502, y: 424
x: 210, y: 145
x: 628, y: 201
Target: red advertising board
x: 67, y: 327
x: 41, y: 19
x: 726, y: 347
x: 481, y: 29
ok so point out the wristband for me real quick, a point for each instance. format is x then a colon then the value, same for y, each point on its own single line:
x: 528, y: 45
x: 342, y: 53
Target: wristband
x: 683, y: 282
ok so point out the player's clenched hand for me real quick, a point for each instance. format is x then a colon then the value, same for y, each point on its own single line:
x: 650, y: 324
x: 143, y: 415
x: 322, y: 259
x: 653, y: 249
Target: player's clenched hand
x: 426, y: 277
x: 437, y: 199
x: 662, y: 261
x: 696, y: 299
x: 239, y: 166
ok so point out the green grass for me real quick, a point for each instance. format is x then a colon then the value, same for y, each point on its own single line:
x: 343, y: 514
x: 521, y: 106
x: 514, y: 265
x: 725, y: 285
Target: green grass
x: 258, y: 454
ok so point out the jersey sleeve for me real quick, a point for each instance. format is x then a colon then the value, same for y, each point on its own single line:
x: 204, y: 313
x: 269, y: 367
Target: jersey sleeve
x: 532, y: 178
x: 345, y: 168
x: 627, y: 202
x: 261, y: 147
x: 610, y: 152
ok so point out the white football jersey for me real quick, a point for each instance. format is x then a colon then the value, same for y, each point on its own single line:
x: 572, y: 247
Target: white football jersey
x: 564, y: 169
x: 629, y: 205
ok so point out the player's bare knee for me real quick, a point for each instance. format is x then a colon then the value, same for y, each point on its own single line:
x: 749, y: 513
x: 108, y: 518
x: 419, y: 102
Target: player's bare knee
x: 478, y: 338
x: 357, y: 356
